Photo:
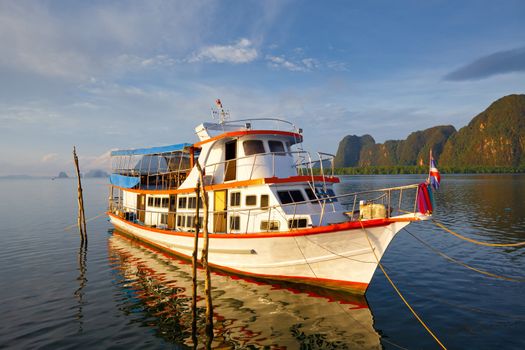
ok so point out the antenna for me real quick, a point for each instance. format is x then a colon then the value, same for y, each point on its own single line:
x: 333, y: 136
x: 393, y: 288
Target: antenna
x: 220, y: 113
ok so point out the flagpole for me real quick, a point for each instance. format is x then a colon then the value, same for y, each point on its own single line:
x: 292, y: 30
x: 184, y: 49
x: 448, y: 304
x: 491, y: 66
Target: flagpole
x: 429, y: 165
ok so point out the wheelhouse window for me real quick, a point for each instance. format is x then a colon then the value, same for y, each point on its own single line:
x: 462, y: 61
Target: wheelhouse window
x: 251, y: 200
x: 310, y: 194
x: 290, y: 196
x: 235, y: 199
x: 150, y: 201
x: 182, y: 202
x: 326, y: 194
x: 157, y: 202
x: 284, y: 197
x: 165, y: 202
x: 276, y: 147
x: 252, y: 147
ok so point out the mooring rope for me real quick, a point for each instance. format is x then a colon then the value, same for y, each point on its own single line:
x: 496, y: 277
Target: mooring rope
x: 483, y: 272
x: 399, y: 292
x: 440, y: 225
x: 88, y: 220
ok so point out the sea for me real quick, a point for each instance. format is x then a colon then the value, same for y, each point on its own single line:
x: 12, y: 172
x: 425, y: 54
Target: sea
x: 118, y: 294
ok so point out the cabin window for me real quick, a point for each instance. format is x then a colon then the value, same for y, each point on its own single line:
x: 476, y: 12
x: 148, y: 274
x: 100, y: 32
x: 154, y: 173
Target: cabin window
x: 235, y: 199
x: 165, y: 202
x: 190, y: 221
x: 297, y: 223
x: 180, y: 220
x: 291, y: 196
x: 192, y: 202
x: 182, y: 202
x: 164, y: 218
x: 251, y: 200
x: 157, y: 202
x: 269, y: 225
x: 253, y: 147
x: 265, y: 199
x: 310, y: 194
x: 276, y: 147
x: 235, y: 223
x: 150, y: 201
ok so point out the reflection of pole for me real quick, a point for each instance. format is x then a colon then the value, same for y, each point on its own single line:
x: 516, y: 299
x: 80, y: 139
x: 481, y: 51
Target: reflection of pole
x: 194, y: 271
x: 81, y: 216
x: 79, y: 294
x: 204, y: 261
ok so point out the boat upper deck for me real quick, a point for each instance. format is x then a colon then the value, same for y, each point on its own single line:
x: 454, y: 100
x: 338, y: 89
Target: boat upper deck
x: 232, y: 151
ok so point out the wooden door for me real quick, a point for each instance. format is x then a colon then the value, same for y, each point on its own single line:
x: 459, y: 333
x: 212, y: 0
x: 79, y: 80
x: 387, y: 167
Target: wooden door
x: 219, y: 208
x: 230, y: 155
x: 172, y: 211
x: 141, y: 207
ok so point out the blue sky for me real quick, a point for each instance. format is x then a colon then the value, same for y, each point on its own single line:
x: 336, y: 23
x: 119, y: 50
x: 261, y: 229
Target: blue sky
x: 116, y: 74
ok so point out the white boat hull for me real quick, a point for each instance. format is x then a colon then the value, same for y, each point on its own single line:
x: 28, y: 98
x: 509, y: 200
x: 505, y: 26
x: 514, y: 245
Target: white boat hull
x: 340, y: 259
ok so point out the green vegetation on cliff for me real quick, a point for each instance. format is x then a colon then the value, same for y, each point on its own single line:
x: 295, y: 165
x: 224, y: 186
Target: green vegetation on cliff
x: 495, y: 137
x: 493, y: 142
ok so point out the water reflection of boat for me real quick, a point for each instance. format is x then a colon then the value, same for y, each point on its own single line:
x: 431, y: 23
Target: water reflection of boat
x: 246, y: 313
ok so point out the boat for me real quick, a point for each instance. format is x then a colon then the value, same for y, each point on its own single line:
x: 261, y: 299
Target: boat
x: 273, y: 211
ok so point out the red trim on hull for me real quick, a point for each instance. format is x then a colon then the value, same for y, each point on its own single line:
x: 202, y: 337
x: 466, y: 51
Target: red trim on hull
x: 352, y: 287
x: 350, y: 225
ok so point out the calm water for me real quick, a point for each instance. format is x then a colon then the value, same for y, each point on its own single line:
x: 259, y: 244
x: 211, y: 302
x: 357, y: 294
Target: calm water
x: 119, y: 294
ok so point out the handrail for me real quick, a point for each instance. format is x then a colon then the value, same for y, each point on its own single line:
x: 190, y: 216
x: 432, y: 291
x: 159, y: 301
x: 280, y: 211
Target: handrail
x: 314, y: 207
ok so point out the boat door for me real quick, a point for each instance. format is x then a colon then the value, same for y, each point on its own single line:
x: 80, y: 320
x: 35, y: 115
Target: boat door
x: 230, y: 154
x: 141, y: 207
x: 219, y: 208
x: 171, y: 211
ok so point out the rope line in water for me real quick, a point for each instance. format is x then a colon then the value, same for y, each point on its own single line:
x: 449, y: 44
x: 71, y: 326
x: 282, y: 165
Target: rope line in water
x: 440, y: 225
x: 399, y: 292
x: 91, y: 219
x: 483, y: 272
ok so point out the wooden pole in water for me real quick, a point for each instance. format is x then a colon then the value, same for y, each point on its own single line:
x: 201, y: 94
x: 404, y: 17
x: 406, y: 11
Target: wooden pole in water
x: 204, y: 261
x: 194, y: 270
x: 81, y: 219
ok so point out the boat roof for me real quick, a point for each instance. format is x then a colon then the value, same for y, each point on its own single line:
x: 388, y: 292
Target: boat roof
x: 151, y: 150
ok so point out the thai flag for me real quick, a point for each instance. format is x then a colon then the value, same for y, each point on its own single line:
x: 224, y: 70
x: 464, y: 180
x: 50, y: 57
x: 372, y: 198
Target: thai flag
x: 433, y: 175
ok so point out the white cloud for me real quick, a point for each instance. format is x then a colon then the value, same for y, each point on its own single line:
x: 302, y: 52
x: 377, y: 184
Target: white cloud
x: 50, y: 157
x: 240, y: 52
x: 303, y: 65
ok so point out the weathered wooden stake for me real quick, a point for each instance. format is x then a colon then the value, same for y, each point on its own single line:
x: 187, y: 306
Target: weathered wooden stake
x: 81, y: 219
x: 204, y: 261
x: 194, y: 270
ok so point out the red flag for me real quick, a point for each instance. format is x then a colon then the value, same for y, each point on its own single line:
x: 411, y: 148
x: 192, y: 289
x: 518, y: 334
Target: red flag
x: 218, y: 103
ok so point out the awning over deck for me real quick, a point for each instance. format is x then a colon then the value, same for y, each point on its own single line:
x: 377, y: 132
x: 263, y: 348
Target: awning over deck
x: 124, y: 181
x: 151, y: 150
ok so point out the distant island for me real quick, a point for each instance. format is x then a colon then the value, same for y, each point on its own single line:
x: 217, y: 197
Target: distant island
x: 493, y: 142
x: 96, y: 173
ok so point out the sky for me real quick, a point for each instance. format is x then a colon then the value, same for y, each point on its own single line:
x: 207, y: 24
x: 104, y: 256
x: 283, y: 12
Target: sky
x: 106, y: 75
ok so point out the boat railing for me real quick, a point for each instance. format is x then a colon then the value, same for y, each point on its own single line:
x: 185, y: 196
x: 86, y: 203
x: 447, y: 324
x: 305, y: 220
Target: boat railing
x: 365, y: 205
x: 260, y: 124
x: 303, y: 164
